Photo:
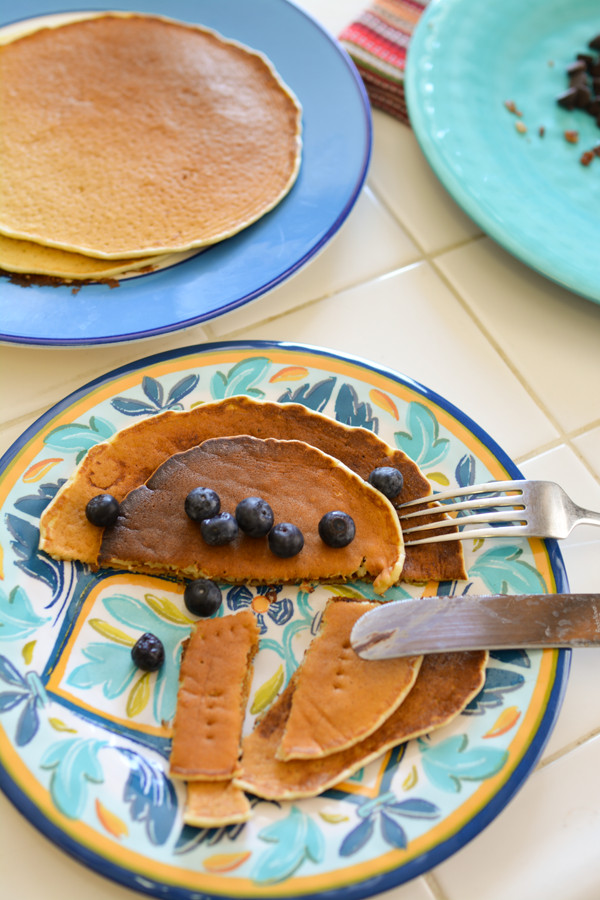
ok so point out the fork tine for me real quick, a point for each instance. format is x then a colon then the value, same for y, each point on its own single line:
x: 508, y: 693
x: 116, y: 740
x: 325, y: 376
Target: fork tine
x: 475, y: 533
x: 489, y: 488
x: 479, y: 519
x: 487, y: 503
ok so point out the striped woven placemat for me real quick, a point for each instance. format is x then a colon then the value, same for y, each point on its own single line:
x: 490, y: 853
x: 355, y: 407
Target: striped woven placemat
x: 378, y: 43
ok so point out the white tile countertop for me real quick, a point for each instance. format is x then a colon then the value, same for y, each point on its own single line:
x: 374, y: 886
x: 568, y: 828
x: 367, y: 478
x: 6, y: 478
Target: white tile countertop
x: 516, y: 353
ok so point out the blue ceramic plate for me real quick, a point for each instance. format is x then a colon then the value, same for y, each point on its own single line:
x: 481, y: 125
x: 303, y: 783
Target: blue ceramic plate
x: 527, y: 191
x: 336, y: 153
x: 85, y: 737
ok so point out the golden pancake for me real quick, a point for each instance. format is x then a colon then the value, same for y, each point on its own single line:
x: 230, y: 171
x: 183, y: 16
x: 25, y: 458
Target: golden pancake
x: 339, y: 698
x: 214, y: 680
x: 445, y: 684
x: 25, y: 257
x: 300, y: 483
x: 128, y: 135
x: 212, y: 804
x: 128, y: 459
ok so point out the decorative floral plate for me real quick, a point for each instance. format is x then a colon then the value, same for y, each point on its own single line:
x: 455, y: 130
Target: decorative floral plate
x: 526, y: 188
x: 335, y: 158
x: 84, y: 736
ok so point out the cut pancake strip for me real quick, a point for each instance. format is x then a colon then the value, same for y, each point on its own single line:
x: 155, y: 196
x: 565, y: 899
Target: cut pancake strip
x: 446, y: 683
x: 212, y: 804
x: 215, y: 676
x: 339, y: 698
x: 300, y: 483
x: 129, y: 458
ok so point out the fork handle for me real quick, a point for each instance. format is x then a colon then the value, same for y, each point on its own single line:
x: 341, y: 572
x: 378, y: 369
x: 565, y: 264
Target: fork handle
x: 587, y: 517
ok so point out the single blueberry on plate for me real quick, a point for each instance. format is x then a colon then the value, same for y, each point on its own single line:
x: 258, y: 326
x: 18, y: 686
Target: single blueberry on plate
x: 202, y: 597
x: 148, y: 652
x: 202, y: 503
x: 219, y: 530
x: 285, y: 540
x: 387, y: 480
x: 337, y: 528
x: 254, y: 516
x: 102, y: 510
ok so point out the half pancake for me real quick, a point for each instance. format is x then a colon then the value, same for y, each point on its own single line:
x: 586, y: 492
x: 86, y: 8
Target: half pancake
x: 128, y: 459
x: 213, y: 804
x: 127, y: 135
x: 214, y: 682
x: 339, y: 698
x: 446, y: 683
x: 300, y: 483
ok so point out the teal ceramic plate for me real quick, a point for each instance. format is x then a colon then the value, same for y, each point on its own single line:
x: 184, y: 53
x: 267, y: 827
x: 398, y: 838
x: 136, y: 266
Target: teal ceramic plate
x: 335, y: 159
x: 84, y: 736
x: 528, y: 192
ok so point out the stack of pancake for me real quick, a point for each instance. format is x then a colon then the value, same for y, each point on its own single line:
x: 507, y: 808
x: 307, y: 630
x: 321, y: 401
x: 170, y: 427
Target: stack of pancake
x: 338, y: 711
x: 129, y: 140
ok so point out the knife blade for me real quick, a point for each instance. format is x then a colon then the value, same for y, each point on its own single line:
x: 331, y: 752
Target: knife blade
x: 470, y: 622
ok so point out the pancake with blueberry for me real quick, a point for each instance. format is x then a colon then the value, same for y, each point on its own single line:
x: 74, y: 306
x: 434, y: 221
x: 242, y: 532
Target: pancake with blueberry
x: 339, y: 698
x: 292, y: 486
x: 127, y: 135
x: 129, y: 458
x: 446, y: 683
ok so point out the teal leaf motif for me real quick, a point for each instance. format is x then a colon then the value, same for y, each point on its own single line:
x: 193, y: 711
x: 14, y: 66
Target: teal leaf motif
x: 504, y: 572
x: 17, y: 616
x: 349, y: 410
x: 80, y: 438
x: 295, y: 839
x: 240, y: 379
x: 497, y: 683
x: 110, y: 665
x: 73, y: 764
x: 451, y: 762
x: 155, y: 394
x: 315, y: 397
x: 422, y: 441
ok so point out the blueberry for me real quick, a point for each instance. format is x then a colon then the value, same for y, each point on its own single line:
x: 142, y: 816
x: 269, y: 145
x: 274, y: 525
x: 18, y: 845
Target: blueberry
x: 202, y: 503
x: 218, y: 530
x: 337, y: 529
x: 254, y: 516
x: 148, y: 652
x: 387, y: 480
x: 285, y: 540
x: 102, y: 510
x: 202, y: 597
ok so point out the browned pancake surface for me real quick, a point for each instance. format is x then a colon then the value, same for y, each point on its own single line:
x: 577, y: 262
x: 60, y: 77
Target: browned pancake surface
x: 444, y: 686
x: 128, y: 135
x: 212, y: 804
x: 211, y: 701
x: 340, y: 698
x: 129, y: 458
x: 301, y: 484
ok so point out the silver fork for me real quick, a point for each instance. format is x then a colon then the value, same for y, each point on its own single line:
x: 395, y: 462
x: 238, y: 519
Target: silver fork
x: 514, y: 509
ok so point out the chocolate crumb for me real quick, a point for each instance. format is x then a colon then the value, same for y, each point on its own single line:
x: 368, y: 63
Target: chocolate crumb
x: 586, y: 157
x: 571, y: 136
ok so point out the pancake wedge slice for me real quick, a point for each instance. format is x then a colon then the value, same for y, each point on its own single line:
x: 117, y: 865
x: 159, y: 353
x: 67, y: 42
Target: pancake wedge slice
x: 153, y: 534
x: 129, y: 458
x: 215, y: 676
x: 340, y: 698
x: 446, y: 683
x: 213, y: 804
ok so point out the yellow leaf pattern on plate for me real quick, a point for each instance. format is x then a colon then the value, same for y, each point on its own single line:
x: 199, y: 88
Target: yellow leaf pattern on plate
x: 267, y: 692
x: 166, y: 609
x: 505, y: 721
x: 112, y: 633
x: 112, y: 823
x: 59, y: 725
x: 289, y: 373
x: 384, y: 402
x: 439, y: 478
x: 27, y: 652
x: 333, y: 818
x: 226, y: 862
x: 340, y: 590
x: 411, y: 779
x: 139, y: 696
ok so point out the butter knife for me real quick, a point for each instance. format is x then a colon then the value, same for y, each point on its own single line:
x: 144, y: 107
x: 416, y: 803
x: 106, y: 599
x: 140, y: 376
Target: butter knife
x: 470, y: 622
